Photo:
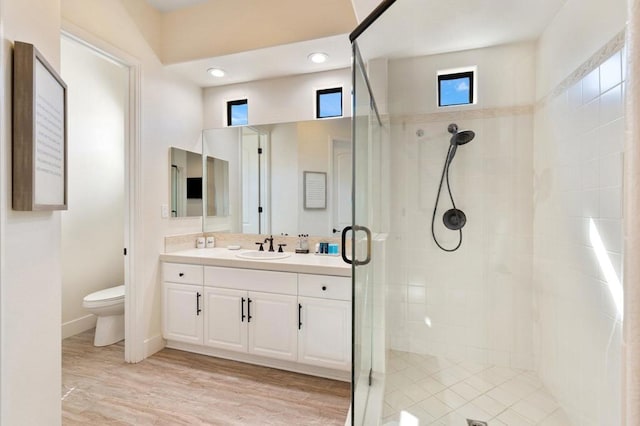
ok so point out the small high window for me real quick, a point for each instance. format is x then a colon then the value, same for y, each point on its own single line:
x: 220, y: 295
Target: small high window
x: 237, y: 113
x: 329, y: 103
x: 456, y: 88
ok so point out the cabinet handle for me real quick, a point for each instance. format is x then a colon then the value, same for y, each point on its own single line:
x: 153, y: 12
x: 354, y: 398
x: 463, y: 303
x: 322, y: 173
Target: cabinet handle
x: 249, y: 310
x: 299, y: 316
x: 324, y: 288
x: 198, y: 310
x: 242, y: 308
x: 181, y: 274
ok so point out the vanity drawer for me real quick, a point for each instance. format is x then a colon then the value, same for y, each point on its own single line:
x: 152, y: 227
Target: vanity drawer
x: 324, y: 286
x: 181, y: 273
x: 251, y: 280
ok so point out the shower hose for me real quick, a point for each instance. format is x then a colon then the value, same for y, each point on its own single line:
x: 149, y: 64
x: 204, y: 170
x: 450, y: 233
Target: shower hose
x: 445, y: 173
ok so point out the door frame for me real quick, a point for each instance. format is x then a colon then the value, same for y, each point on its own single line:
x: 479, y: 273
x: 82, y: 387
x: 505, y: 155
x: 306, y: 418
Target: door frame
x: 134, y: 344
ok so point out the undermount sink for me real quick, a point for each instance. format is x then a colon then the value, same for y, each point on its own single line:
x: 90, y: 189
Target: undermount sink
x: 262, y: 255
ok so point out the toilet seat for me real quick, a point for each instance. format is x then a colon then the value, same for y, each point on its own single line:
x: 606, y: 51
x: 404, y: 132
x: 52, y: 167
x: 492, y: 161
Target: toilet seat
x: 106, y: 296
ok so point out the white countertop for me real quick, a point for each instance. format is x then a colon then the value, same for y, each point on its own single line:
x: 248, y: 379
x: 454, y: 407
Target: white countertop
x: 300, y: 263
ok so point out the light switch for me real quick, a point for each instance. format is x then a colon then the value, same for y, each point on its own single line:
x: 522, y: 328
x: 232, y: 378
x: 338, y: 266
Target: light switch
x: 164, y: 211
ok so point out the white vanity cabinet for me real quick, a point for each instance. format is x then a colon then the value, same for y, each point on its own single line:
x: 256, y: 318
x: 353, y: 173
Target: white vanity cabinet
x: 272, y: 329
x: 182, y: 302
x: 226, y: 324
x: 324, y: 336
x: 289, y: 320
x: 251, y: 311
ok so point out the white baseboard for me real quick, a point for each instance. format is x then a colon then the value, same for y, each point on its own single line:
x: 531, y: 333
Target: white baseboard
x: 78, y: 325
x: 153, y: 344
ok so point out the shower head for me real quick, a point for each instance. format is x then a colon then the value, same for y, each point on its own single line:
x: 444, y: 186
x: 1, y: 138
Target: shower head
x: 463, y: 137
x: 458, y: 138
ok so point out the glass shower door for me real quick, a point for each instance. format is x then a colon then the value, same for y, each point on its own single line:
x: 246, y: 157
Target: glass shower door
x: 365, y: 124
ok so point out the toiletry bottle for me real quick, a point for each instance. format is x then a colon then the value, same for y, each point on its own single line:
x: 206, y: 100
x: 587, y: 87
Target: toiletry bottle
x: 200, y: 242
x: 211, y: 242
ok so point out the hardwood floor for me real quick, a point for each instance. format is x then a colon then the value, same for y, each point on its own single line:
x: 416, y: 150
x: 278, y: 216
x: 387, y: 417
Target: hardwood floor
x: 179, y: 388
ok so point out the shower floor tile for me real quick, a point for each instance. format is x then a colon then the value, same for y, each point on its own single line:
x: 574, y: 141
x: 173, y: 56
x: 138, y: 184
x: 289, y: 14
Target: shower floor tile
x: 429, y: 390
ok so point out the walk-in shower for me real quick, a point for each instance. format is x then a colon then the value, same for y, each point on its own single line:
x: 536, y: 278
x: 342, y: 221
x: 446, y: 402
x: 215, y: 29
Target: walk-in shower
x: 454, y: 218
x: 519, y: 326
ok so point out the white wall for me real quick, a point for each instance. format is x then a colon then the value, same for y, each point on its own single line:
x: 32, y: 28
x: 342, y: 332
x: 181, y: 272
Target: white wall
x: 578, y: 179
x: 475, y: 303
x: 171, y: 116
x: 280, y: 100
x: 30, y: 271
x: 93, y: 226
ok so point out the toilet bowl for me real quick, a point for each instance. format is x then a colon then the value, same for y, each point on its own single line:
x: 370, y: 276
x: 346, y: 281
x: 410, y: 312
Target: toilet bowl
x: 108, y: 306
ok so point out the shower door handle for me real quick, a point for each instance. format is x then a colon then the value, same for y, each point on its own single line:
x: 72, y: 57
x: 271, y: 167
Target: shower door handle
x: 356, y: 228
x: 344, y: 245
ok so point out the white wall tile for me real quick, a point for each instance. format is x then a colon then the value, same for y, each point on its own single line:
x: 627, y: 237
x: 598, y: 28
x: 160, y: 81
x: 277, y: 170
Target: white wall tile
x: 611, y: 105
x: 573, y: 300
x: 611, y: 203
x: 611, y: 137
x: 611, y: 72
x: 591, y: 86
x: 590, y: 115
x: 611, y: 171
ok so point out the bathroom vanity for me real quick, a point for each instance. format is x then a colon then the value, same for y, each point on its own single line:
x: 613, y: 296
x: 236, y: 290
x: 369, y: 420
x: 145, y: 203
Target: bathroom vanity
x: 292, y: 313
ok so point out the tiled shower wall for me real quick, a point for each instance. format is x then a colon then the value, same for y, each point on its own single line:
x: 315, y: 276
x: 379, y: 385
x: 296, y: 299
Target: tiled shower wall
x: 577, y: 256
x: 473, y: 304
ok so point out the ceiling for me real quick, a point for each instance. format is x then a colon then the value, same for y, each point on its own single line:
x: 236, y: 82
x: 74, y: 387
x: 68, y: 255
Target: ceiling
x: 171, y: 5
x: 408, y: 28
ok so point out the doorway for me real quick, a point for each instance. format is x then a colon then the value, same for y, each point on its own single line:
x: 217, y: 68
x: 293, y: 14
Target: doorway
x: 97, y: 230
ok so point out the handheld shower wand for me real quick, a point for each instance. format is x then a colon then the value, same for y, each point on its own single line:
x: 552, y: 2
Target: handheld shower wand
x: 454, y: 218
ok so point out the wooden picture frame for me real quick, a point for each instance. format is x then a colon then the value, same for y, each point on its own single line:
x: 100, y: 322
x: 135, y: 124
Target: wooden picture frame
x: 39, y: 132
x: 315, y: 190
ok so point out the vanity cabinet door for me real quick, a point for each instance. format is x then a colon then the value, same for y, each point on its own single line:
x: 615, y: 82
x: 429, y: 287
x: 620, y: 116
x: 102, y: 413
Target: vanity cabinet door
x: 225, y: 326
x: 273, y: 330
x: 324, y: 336
x: 183, y: 316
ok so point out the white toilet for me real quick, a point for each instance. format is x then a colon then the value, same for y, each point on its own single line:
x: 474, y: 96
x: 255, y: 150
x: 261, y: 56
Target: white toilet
x: 108, y: 306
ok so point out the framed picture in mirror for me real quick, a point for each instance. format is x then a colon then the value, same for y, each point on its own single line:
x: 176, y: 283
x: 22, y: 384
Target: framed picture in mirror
x: 315, y: 190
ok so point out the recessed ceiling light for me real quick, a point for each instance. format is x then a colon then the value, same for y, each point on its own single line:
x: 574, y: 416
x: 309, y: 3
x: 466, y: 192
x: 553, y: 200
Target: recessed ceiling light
x: 318, y: 57
x: 216, y: 72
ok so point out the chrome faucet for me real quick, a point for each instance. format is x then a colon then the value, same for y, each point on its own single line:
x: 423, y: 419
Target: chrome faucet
x: 270, y: 239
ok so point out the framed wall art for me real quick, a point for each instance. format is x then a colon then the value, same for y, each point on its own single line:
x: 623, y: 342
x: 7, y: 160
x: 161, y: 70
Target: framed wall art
x: 39, y: 132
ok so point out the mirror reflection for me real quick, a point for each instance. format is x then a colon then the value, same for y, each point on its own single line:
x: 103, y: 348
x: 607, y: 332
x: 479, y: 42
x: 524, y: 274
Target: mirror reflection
x: 217, y: 184
x: 186, y: 183
x: 266, y: 165
x: 191, y: 192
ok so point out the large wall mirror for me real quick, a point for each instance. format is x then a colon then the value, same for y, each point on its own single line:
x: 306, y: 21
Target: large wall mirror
x: 194, y: 192
x: 266, y: 166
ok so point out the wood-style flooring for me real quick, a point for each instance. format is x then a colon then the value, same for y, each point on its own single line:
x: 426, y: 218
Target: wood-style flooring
x: 180, y: 388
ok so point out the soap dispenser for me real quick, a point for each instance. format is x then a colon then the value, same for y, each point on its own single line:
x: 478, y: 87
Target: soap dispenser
x: 303, y: 243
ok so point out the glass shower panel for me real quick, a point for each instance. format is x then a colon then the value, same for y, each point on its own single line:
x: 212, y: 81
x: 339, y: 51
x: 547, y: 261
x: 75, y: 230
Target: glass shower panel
x: 365, y: 124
